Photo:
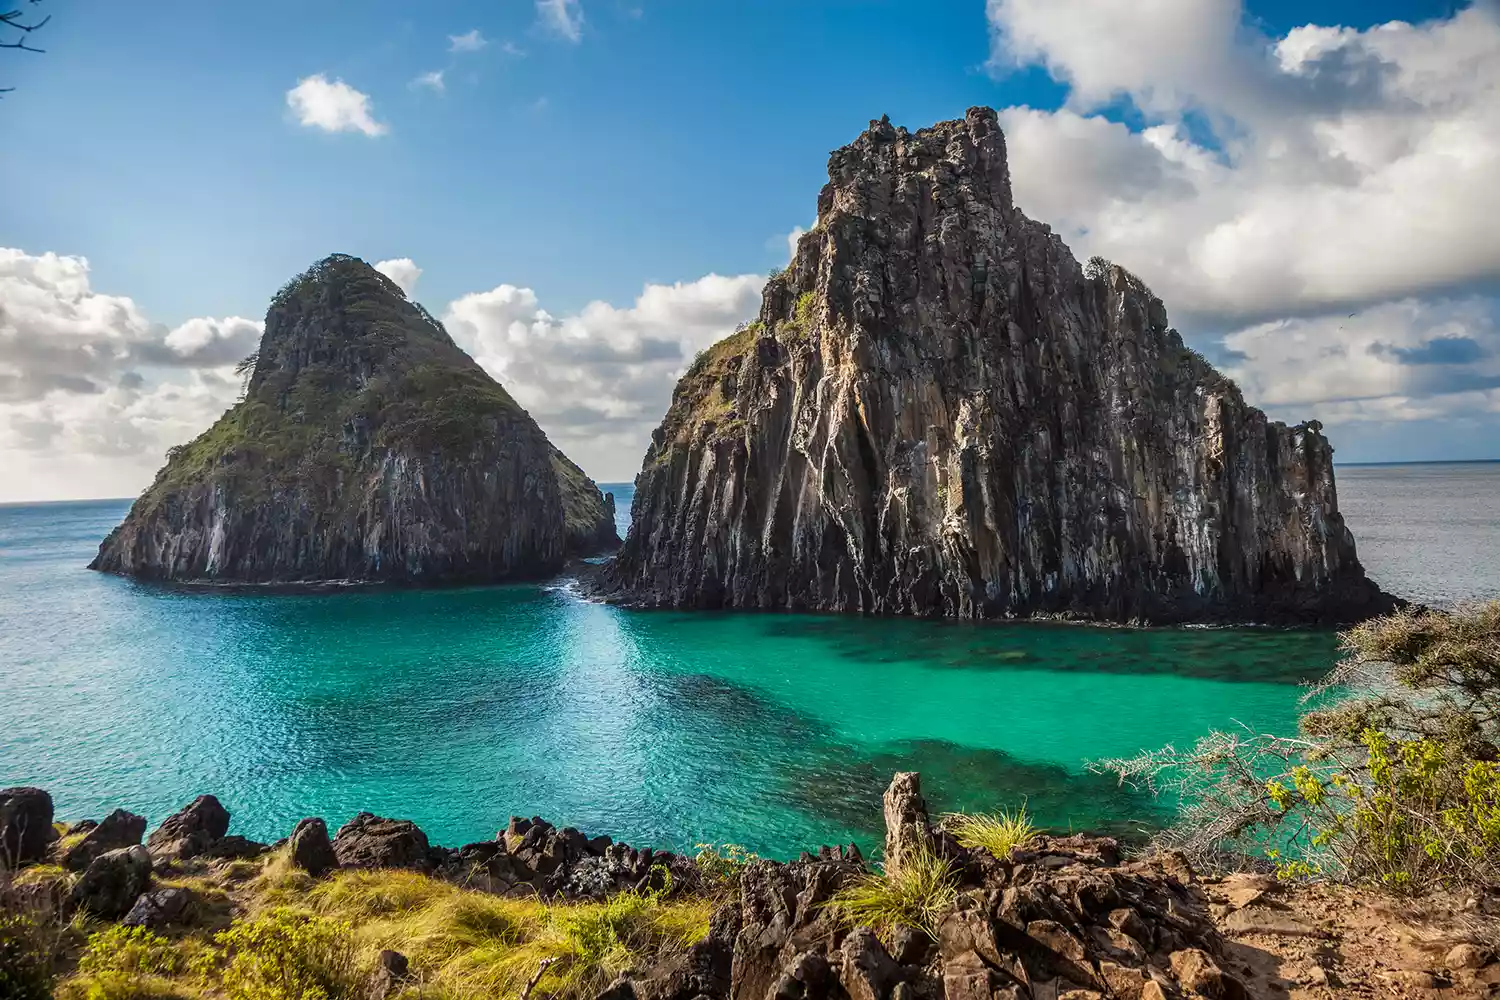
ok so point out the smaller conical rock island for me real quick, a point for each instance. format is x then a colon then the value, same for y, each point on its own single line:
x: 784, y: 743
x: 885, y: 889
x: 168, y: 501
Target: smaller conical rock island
x: 367, y: 447
x: 939, y: 412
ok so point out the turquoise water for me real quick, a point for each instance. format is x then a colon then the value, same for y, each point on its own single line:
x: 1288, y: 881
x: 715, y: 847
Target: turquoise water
x: 457, y: 708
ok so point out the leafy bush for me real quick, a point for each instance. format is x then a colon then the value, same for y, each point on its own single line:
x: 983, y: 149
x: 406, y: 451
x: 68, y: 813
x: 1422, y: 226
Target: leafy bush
x: 1393, y: 781
x: 130, y: 951
x: 999, y: 833
x: 285, y: 955
x: 722, y: 865
x: 915, y: 894
x: 26, y: 956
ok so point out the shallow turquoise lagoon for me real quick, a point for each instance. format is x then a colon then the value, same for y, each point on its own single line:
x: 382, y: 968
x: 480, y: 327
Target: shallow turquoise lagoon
x: 457, y: 708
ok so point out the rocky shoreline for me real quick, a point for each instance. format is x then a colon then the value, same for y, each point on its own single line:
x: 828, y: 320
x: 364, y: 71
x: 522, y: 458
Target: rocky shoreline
x: 1060, y: 917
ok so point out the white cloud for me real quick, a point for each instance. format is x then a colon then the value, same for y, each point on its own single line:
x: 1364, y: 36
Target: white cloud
x: 1330, y: 167
x: 600, y: 380
x: 469, y: 41
x: 403, y: 271
x: 92, y: 393
x: 432, y: 80
x: 332, y: 106
x: 562, y: 17
x: 1436, y: 353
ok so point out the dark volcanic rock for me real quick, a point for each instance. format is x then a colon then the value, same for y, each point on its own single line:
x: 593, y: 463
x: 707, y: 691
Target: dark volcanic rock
x: 112, y: 883
x: 25, y: 826
x: 119, y: 829
x: 370, y: 841
x: 939, y: 412
x: 311, y: 850
x: 163, y: 908
x: 367, y: 447
x: 190, y: 831
x: 1020, y: 929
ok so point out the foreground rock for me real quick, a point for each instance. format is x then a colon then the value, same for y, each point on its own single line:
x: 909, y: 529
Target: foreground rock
x: 25, y: 826
x: 310, y: 849
x: 119, y: 829
x: 110, y: 885
x: 192, y: 830
x: 938, y: 412
x: 368, y: 447
x: 1060, y: 919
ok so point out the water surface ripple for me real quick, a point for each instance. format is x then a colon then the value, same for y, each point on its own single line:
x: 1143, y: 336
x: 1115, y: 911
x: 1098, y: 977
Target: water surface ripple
x: 456, y: 708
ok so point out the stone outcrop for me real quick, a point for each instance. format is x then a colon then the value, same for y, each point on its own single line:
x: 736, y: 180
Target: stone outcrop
x: 119, y: 829
x: 112, y: 883
x: 370, y: 841
x: 192, y: 830
x: 1061, y: 918
x: 939, y: 412
x: 25, y: 826
x: 367, y: 447
x: 310, y: 849
x: 163, y: 908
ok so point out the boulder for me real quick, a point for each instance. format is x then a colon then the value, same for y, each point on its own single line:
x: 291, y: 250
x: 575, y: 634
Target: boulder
x: 119, y: 829
x: 25, y: 826
x: 235, y: 848
x: 112, y: 883
x: 191, y: 831
x: 310, y: 848
x: 370, y: 841
x: 163, y: 908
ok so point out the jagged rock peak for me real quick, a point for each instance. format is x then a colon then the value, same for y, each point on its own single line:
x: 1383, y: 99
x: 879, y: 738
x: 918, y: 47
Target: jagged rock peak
x: 938, y: 411
x: 367, y: 447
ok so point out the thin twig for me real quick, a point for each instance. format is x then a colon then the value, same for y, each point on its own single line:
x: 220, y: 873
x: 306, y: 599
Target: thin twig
x: 541, y: 969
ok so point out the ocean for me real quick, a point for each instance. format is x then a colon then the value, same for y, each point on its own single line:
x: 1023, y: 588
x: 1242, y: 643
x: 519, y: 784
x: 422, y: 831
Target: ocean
x: 458, y: 708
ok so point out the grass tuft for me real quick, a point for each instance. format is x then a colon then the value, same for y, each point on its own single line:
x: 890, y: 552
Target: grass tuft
x: 916, y: 895
x: 999, y: 833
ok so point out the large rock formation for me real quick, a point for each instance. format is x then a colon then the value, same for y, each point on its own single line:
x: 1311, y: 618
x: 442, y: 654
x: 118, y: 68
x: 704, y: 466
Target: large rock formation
x: 368, y: 446
x: 939, y: 412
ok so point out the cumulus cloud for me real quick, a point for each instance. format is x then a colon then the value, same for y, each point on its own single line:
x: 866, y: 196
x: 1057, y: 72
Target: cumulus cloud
x: 58, y: 335
x: 562, y: 17
x: 91, y: 392
x: 403, y: 271
x: 432, y: 80
x: 469, y: 41
x: 1409, y: 350
x: 332, y: 106
x: 1329, y: 167
x: 600, y: 380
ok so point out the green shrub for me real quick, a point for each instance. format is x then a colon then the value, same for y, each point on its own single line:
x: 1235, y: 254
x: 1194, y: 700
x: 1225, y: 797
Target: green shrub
x: 999, y: 833
x: 1393, y: 780
x: 131, y: 951
x: 721, y: 865
x: 26, y: 957
x: 285, y: 955
x: 915, y: 894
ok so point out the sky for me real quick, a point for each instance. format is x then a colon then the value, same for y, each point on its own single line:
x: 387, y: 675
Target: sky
x: 588, y: 192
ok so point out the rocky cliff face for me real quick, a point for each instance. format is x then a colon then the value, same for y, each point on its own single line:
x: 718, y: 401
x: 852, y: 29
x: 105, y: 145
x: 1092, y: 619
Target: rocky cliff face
x: 368, y: 447
x: 939, y: 412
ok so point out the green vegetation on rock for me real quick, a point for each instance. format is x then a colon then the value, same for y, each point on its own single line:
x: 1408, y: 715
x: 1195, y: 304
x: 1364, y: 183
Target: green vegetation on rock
x: 367, y: 445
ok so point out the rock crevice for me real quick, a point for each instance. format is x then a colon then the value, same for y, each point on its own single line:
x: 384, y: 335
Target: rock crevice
x: 940, y: 412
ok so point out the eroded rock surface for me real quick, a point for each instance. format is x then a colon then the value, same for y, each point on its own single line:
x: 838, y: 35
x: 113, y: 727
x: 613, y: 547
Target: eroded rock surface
x: 367, y: 447
x: 939, y: 412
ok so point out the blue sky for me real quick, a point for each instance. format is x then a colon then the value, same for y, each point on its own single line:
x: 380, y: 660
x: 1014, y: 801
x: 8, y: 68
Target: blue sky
x: 651, y: 143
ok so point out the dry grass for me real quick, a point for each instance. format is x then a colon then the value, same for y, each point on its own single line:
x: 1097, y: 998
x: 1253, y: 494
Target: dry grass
x: 916, y: 895
x: 462, y: 944
x: 999, y: 833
